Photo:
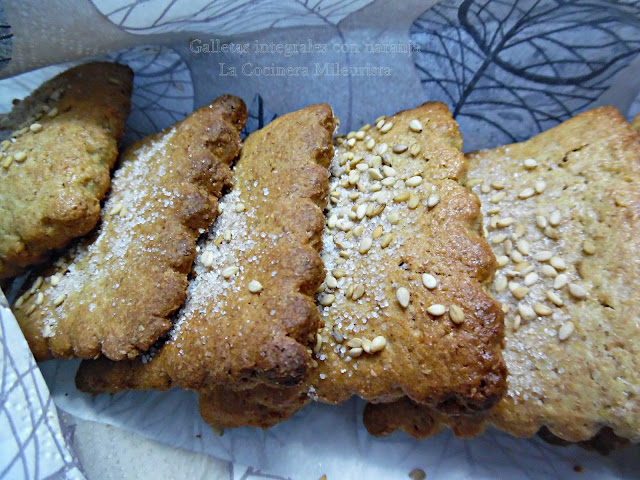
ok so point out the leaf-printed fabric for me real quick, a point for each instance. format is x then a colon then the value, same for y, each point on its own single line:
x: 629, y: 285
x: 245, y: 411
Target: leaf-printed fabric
x: 504, y: 66
x: 162, y: 90
x: 224, y: 17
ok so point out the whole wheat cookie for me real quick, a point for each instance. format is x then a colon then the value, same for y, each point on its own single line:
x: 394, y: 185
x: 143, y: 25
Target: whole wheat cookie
x: 562, y: 214
x: 404, y: 309
x: 562, y: 211
x: 113, y: 293
x: 54, y: 164
x: 245, y: 327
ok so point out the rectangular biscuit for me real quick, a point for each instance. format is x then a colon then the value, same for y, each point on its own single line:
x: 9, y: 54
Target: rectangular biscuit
x: 562, y: 213
x: 113, y: 292
x: 404, y: 309
x: 244, y: 329
x: 54, y: 165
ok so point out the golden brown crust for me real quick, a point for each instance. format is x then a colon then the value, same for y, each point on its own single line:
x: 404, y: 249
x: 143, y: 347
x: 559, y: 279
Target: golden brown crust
x: 452, y: 367
x: 418, y: 421
x: 114, y: 292
x: 73, y: 123
x: 574, y: 367
x: 227, y: 340
x: 635, y: 123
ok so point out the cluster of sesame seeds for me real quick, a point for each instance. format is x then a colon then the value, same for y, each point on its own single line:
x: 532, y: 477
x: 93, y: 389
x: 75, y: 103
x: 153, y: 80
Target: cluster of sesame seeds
x: 134, y: 200
x: 34, y: 111
x: 379, y: 189
x: 536, y: 273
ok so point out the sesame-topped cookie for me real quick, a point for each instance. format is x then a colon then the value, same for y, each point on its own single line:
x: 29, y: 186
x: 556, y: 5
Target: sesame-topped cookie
x: 245, y: 327
x: 113, y: 292
x: 562, y: 213
x: 404, y: 309
x: 60, y: 145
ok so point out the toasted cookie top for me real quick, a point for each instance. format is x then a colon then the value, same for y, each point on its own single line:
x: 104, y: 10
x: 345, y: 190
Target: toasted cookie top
x: 54, y: 164
x: 403, y: 303
x: 114, y: 292
x: 562, y: 214
x: 249, y: 312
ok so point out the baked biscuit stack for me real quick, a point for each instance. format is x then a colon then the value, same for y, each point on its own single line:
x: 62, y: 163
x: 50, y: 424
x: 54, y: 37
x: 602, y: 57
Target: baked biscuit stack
x: 500, y: 287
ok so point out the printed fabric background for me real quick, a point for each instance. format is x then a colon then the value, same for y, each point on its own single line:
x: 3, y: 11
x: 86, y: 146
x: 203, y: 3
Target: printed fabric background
x: 508, y: 69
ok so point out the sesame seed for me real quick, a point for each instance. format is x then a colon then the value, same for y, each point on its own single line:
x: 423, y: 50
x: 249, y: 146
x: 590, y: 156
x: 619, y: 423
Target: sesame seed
x: 499, y: 238
x: 351, y: 142
x: 386, y: 240
x: 360, y: 135
x: 436, y: 309
x: 354, y: 343
x: 530, y: 279
x: 542, y: 310
x: 123, y: 211
x: 493, y: 210
x: 338, y: 272
x: 520, y: 292
x: 558, y: 263
x: 331, y: 281
x: 381, y: 118
x: 530, y: 163
x: 526, y: 193
x: 37, y: 284
x: 354, y: 176
x: 429, y: 281
x: 389, y: 171
x: 39, y: 298
x: 540, y: 186
x: 415, y: 125
x: 374, y: 174
x: 207, y: 258
x: 526, y: 312
x: 318, y: 345
x: 414, y: 201
x: 500, y: 284
x: 333, y: 220
x: 498, y: 197
x: 386, y: 127
x: 560, y: 281
x: 35, y: 127
x: 508, y: 247
x: 516, y: 320
x: 358, y: 292
x: 565, y: 331
x: 502, y: 260
x: 403, y: 296
x: 113, y: 81
x: 362, y: 211
x: 230, y: 271
x: 31, y: 309
x: 433, y: 199
x: 6, y: 163
x: 485, y: 188
x: 255, y: 286
x: 382, y: 149
x: 577, y: 291
x: 18, y: 303
x: 456, y: 314
x: 115, y: 210
x: 400, y: 148
x: 414, y: 181
x: 226, y: 235
x: 589, y: 247
x: 542, y: 256
x: 541, y: 221
x: 59, y: 299
x: 365, y: 245
x: 54, y: 280
x: 349, y: 292
x: 327, y: 299
x: 555, y: 218
x: 521, y: 229
x: 355, y: 352
x: 378, y: 344
x: 523, y: 247
x: 377, y: 232
x: 415, y: 149
x: 505, y: 222
x: 554, y: 297
x: 549, y: 271
x: 239, y: 207
x: 497, y: 184
x: 393, y: 218
x: 19, y: 156
x: 52, y: 113
x: 550, y: 233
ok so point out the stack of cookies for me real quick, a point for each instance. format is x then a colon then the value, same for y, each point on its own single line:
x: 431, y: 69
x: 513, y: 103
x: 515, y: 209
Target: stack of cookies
x: 494, y: 288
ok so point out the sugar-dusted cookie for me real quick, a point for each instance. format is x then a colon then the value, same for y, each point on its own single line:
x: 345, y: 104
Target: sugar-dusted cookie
x: 54, y: 164
x: 114, y: 292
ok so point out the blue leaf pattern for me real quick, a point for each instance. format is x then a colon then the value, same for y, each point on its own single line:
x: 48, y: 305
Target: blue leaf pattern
x: 224, y: 17
x: 503, y: 66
